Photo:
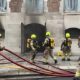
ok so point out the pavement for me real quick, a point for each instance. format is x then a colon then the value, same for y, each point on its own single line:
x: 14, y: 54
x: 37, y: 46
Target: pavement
x: 7, y: 68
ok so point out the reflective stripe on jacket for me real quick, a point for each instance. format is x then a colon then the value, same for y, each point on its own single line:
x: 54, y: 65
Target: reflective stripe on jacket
x: 49, y: 42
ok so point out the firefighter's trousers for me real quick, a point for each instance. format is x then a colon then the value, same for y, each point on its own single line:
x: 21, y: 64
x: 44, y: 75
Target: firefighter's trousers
x: 66, y: 52
x: 47, y: 53
x: 34, y: 53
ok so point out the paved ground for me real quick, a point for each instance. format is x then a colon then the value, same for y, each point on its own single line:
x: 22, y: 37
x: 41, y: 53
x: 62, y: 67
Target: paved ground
x: 6, y: 65
x: 9, y: 68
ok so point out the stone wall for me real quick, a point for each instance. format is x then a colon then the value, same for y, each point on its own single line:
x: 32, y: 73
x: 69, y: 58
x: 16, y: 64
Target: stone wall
x: 11, y: 21
x: 12, y: 24
x: 56, y: 27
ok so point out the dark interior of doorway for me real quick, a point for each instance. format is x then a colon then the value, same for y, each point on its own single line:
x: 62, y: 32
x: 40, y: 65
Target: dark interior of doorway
x: 27, y: 30
x: 75, y: 32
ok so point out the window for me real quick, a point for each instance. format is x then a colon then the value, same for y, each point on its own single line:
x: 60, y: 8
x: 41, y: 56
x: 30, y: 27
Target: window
x: 35, y: 6
x: 71, y: 5
x: 3, y: 5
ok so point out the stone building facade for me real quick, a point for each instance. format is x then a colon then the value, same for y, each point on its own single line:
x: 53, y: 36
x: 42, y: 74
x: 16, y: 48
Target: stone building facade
x: 16, y: 14
x: 54, y: 16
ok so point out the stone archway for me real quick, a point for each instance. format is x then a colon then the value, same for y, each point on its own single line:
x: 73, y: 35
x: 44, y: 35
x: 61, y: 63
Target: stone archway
x: 27, y: 30
x: 75, y: 32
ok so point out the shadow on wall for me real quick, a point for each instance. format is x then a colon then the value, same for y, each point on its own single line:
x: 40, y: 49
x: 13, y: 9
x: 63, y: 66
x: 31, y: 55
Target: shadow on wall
x: 27, y: 30
x: 75, y: 32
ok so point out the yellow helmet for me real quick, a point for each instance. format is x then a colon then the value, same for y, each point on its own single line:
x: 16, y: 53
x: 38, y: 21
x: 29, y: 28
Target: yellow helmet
x: 33, y: 36
x: 48, y: 33
x: 67, y: 35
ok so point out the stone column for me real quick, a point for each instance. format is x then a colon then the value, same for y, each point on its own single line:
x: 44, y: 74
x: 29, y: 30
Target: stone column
x: 53, y: 5
x: 15, y: 5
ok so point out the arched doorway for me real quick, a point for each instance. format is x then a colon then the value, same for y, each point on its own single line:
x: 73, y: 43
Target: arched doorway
x: 27, y: 30
x: 75, y: 32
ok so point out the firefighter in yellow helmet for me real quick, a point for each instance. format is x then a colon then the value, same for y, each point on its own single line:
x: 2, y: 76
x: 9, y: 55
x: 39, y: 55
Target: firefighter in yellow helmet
x: 79, y: 41
x: 66, y: 47
x: 1, y: 47
x: 33, y: 45
x: 49, y: 46
x: 67, y: 35
x: 79, y: 46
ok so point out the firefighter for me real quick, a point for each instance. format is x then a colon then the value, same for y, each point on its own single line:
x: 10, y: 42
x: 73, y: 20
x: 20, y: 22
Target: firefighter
x: 79, y: 46
x: 1, y: 48
x: 66, y: 47
x: 49, y: 46
x: 69, y: 43
x: 34, y: 46
x: 1, y: 43
x: 28, y: 43
x: 77, y: 74
x: 79, y: 41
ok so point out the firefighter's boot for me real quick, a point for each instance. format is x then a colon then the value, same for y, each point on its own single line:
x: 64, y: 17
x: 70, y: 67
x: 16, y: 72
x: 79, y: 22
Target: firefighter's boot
x: 68, y: 59
x: 63, y: 58
x: 55, y: 60
x: 46, y: 60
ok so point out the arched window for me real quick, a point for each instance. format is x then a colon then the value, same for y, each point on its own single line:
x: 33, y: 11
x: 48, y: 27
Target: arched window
x: 3, y: 5
x: 72, y: 5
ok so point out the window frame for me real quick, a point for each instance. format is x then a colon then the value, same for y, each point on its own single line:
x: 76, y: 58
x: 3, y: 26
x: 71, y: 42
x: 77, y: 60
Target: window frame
x: 35, y: 10
x: 3, y: 7
x: 69, y: 11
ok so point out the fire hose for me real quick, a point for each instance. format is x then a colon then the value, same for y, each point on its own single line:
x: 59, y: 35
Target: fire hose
x: 60, y: 71
x: 23, y: 61
x: 34, y: 70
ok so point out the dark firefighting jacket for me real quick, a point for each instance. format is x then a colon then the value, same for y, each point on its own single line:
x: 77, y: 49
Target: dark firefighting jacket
x: 49, y: 42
